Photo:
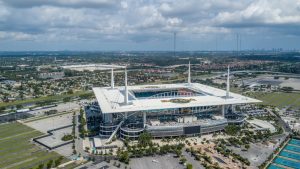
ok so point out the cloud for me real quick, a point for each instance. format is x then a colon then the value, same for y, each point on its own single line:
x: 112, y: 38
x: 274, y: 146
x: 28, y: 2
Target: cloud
x: 263, y: 13
x: 62, y: 3
x: 142, y: 21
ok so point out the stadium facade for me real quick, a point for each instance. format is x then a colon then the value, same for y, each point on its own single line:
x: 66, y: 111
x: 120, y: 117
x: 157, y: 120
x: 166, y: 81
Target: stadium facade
x: 165, y: 110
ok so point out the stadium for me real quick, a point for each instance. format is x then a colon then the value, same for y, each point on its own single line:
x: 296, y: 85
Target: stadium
x: 165, y: 110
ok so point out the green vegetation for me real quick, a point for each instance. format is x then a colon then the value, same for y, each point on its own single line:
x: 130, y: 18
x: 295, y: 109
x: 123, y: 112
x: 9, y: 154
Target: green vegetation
x: 82, y: 122
x: 232, y: 129
x: 221, y: 148
x: 204, y: 159
x: 189, y: 166
x: 67, y: 137
x: 145, y: 147
x: 278, y: 99
x: 145, y: 139
x: 16, y: 151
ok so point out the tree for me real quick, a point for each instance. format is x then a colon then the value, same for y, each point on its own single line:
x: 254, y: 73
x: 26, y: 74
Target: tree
x: 2, y: 109
x: 126, y: 141
x: 124, y: 157
x: 41, y: 166
x: 49, y: 164
x: 70, y: 91
x: 189, y: 166
x: 19, y: 106
x: 178, y: 152
x: 58, y: 161
x: 145, y: 139
x: 182, y: 160
x: 232, y: 129
x: 66, y: 99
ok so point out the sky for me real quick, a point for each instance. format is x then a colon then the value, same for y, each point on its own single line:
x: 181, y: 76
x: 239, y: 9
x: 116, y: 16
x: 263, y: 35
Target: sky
x: 148, y: 25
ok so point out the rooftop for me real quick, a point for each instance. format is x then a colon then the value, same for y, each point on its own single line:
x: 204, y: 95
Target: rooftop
x: 112, y: 100
x: 261, y: 124
x: 92, y: 67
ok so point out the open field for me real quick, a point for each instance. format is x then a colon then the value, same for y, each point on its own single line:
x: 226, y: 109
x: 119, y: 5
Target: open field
x: 279, y: 99
x: 16, y: 150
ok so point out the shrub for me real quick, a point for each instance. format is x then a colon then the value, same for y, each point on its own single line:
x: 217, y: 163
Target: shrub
x: 67, y: 137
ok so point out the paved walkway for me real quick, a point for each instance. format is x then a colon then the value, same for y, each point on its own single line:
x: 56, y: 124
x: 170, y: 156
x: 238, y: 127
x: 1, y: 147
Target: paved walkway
x: 78, y: 141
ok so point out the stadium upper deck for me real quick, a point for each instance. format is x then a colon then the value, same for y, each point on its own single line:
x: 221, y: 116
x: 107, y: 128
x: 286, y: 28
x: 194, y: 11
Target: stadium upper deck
x: 112, y: 100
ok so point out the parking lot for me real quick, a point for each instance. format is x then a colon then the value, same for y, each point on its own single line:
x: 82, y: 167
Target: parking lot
x: 256, y: 154
x: 55, y: 139
x: 157, y: 162
x: 50, y: 123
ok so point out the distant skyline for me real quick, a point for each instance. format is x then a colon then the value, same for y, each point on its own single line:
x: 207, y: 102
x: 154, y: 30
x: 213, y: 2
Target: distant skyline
x: 129, y: 25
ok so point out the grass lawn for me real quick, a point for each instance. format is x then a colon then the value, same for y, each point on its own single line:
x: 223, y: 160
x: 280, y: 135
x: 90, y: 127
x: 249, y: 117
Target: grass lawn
x: 16, y: 150
x: 278, y: 99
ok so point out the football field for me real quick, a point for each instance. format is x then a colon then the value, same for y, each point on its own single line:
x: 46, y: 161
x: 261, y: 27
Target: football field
x: 16, y: 149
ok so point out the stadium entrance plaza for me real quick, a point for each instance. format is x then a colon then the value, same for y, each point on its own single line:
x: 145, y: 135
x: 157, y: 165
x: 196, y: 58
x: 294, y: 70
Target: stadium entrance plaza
x: 257, y: 154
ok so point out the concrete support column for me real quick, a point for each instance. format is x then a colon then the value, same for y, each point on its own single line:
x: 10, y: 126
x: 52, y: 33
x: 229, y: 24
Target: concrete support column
x: 223, y: 110
x: 126, y: 88
x: 107, y: 118
x: 126, y: 115
x: 144, y: 119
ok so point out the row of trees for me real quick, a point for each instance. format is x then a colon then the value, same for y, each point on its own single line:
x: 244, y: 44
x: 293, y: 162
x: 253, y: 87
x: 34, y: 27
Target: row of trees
x: 82, y: 124
x: 204, y: 159
x: 145, y: 147
x: 221, y: 148
x: 51, y: 163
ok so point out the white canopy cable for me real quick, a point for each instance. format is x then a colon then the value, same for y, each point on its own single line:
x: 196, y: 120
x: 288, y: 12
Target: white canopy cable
x: 228, y: 85
x: 126, y: 88
x: 112, y: 79
x: 189, y: 74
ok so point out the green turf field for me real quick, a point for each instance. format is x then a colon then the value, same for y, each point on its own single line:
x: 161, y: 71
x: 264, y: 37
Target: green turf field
x: 16, y: 150
x: 279, y: 99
